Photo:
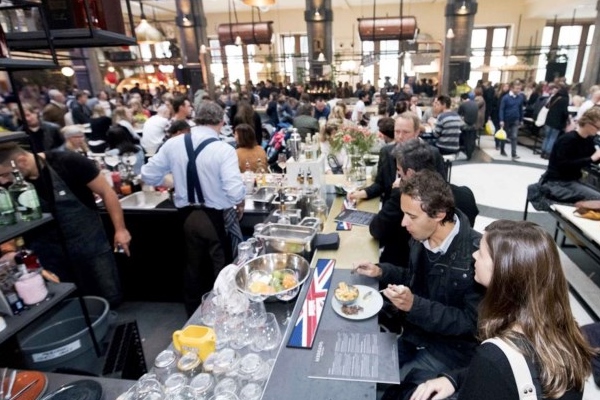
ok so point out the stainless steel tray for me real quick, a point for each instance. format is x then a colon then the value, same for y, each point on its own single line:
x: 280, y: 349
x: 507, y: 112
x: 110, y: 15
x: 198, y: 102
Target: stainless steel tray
x: 264, y: 194
x: 281, y: 238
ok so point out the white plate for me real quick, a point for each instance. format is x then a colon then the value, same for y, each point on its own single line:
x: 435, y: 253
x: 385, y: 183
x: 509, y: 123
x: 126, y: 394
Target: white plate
x: 371, y: 305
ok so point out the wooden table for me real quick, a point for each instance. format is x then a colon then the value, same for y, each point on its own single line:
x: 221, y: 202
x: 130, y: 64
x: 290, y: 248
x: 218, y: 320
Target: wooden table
x: 586, y: 233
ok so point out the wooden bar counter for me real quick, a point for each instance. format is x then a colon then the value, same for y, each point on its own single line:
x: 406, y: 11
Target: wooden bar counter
x: 356, y: 244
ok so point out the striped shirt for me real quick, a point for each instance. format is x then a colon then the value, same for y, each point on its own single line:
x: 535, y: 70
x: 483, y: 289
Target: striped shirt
x: 447, y: 130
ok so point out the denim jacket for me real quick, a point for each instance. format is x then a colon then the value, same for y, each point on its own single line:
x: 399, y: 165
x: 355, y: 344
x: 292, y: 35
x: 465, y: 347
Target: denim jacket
x: 446, y: 321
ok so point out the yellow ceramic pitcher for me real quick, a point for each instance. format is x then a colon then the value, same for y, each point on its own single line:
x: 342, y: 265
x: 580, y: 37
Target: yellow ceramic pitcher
x: 196, y: 338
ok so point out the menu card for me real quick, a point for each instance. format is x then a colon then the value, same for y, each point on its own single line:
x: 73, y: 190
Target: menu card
x: 354, y: 356
x: 355, y: 217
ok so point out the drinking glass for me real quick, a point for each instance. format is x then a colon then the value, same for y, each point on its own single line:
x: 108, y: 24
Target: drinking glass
x: 282, y: 161
x: 208, y: 309
x: 226, y: 385
x: 202, y: 384
x: 257, y: 314
x: 251, y: 391
x: 269, y: 334
x: 245, y: 252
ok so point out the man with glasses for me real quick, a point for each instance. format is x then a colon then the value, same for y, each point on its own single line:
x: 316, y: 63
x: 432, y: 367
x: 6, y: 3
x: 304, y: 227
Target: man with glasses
x: 571, y: 152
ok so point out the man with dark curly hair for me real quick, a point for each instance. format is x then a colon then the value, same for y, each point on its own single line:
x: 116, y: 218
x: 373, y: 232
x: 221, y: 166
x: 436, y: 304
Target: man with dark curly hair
x: 435, y: 297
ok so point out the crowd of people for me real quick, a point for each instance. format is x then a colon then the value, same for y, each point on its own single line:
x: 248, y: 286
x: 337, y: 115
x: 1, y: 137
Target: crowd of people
x: 448, y: 287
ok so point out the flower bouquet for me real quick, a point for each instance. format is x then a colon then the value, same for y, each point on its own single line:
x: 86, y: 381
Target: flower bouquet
x: 355, y: 139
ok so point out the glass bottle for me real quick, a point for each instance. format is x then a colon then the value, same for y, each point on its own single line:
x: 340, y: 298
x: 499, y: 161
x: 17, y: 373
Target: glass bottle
x: 248, y: 178
x: 26, y: 256
x: 261, y: 173
x: 24, y: 197
x: 308, y: 147
x: 7, y: 209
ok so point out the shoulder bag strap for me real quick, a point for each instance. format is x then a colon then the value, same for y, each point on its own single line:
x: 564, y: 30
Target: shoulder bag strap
x: 193, y: 181
x: 519, y: 367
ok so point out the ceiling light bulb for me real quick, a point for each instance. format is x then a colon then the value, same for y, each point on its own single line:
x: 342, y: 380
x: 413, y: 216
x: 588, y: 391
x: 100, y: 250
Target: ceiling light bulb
x: 203, y: 49
x: 450, y: 34
x: 317, y: 13
x: 238, y: 40
x: 67, y: 71
x: 321, y: 57
x: 111, y: 69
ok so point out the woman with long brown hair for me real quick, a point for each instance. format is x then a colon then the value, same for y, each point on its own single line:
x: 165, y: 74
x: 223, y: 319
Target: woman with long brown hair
x: 526, y: 305
x: 246, y: 115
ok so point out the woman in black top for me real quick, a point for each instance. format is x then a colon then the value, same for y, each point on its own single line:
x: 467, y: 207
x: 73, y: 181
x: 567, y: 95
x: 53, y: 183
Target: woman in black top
x: 527, y: 305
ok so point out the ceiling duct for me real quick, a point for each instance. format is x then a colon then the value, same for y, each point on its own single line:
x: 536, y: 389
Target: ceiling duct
x: 387, y: 28
x: 250, y: 33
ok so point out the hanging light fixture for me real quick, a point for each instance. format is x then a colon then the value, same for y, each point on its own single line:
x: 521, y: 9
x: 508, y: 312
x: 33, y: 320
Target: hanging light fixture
x: 259, y: 3
x: 146, y: 33
x: 321, y: 57
x: 450, y: 34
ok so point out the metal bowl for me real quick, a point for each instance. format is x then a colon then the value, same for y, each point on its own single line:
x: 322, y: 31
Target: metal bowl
x: 265, y: 265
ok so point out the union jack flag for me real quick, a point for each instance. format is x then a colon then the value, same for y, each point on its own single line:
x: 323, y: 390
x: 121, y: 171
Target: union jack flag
x: 305, y: 328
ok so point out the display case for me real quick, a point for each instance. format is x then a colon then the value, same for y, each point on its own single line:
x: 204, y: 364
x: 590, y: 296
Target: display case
x: 322, y: 89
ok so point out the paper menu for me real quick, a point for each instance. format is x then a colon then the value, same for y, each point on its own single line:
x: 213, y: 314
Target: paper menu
x: 368, y: 357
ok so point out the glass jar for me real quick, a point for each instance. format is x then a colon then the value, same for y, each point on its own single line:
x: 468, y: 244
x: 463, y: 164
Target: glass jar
x: 175, y: 382
x: 165, y: 364
x: 202, y: 384
x: 189, y: 364
x: 31, y: 287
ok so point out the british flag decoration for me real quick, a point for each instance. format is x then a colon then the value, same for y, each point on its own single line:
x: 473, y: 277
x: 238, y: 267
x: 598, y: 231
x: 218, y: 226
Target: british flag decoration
x: 305, y: 329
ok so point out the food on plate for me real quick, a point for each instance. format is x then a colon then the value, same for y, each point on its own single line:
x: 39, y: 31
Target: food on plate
x: 351, y: 310
x: 276, y: 281
x: 345, y: 293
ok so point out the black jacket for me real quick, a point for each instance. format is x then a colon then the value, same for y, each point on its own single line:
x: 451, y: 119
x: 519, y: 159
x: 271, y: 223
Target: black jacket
x: 47, y: 137
x: 558, y: 112
x: 445, y: 320
x: 387, y: 227
x: 386, y: 174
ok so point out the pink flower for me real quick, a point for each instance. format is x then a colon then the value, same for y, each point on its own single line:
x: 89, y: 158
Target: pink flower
x: 347, y: 138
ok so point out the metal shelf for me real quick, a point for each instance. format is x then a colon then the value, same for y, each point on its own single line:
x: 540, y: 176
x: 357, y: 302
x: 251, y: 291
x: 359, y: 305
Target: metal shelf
x: 21, y: 227
x: 14, y: 323
x: 67, y: 39
x: 12, y: 136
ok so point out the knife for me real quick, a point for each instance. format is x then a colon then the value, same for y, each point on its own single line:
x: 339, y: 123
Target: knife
x: 13, y: 376
x: 20, y: 392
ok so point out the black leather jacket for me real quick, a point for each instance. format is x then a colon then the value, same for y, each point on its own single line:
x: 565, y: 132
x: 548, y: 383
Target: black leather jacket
x: 444, y: 318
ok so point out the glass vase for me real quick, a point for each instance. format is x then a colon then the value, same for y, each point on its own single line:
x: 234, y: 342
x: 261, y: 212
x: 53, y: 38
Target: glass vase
x: 357, y: 171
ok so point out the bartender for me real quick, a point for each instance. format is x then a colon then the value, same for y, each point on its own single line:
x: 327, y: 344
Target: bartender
x: 66, y: 185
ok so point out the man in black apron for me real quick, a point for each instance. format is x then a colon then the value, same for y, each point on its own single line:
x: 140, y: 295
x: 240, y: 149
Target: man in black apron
x: 66, y: 185
x: 208, y: 192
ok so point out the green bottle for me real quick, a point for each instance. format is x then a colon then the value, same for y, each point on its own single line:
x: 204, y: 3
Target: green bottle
x: 24, y: 197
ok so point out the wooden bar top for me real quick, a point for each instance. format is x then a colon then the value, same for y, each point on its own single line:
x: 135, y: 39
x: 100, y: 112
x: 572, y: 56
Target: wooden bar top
x: 356, y: 244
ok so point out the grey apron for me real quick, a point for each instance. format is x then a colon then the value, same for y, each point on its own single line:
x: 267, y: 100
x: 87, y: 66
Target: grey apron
x: 94, y: 269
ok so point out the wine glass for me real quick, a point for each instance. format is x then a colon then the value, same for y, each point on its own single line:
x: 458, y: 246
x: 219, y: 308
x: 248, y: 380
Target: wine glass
x: 282, y: 161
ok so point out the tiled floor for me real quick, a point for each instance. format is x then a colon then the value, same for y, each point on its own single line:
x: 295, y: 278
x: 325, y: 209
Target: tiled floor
x: 499, y: 185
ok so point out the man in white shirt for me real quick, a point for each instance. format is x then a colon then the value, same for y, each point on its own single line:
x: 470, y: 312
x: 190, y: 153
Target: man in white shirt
x: 208, y: 190
x: 359, y: 107
x: 154, y: 130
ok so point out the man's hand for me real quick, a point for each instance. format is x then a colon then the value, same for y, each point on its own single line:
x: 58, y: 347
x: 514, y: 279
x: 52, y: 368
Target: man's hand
x: 122, y: 238
x: 400, y: 296
x: 368, y: 269
x: 596, y: 155
x: 357, y: 195
x: 442, y: 387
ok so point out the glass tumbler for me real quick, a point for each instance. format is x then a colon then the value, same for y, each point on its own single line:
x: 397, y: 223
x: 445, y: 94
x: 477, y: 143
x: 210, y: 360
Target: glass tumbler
x: 165, y: 364
x: 202, y: 384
